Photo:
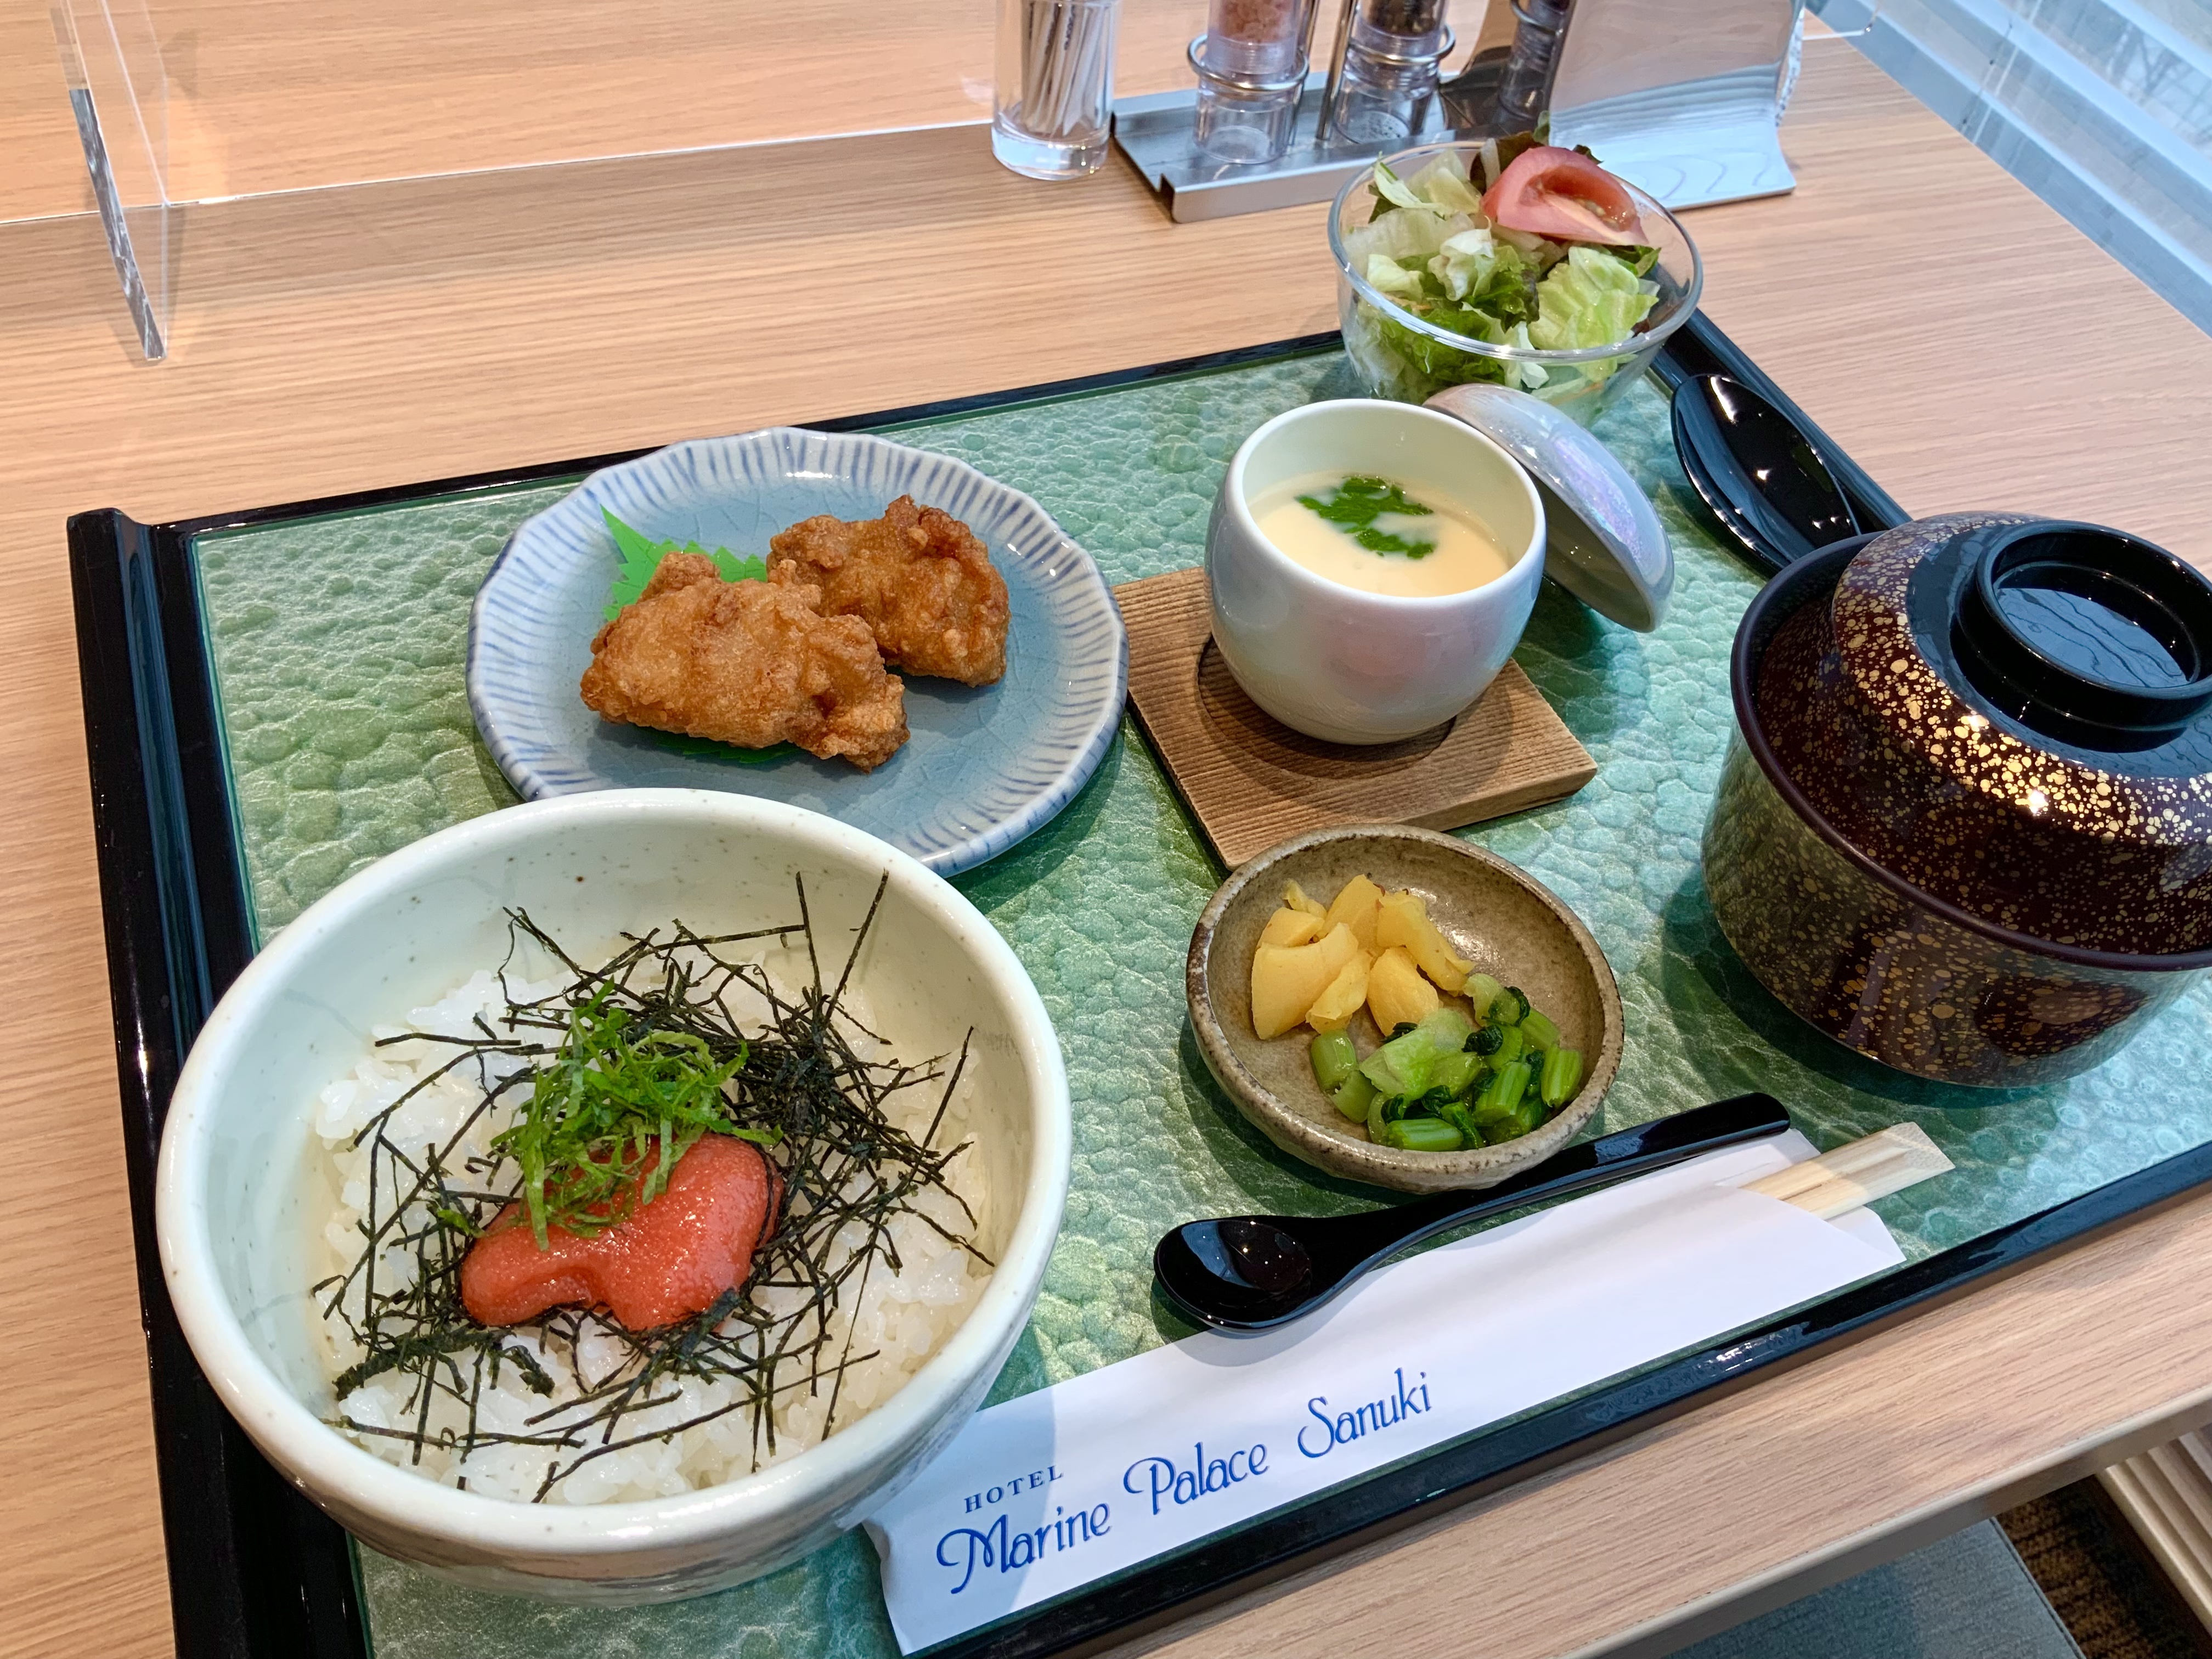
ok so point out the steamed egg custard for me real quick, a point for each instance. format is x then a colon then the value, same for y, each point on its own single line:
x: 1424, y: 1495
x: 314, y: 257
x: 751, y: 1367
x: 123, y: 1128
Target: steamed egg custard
x: 1374, y: 535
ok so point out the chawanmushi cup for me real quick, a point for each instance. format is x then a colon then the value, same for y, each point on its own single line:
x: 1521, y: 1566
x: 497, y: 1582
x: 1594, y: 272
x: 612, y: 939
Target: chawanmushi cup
x: 1353, y: 667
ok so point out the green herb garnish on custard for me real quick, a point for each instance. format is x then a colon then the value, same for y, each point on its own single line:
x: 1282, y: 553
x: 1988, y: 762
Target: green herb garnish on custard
x: 1354, y: 505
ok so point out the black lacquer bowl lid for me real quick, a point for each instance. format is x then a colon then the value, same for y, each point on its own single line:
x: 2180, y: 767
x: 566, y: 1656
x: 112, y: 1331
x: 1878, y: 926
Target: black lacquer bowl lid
x: 2014, y: 714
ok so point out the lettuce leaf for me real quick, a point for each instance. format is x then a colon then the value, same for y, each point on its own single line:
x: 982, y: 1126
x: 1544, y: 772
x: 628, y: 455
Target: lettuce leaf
x: 1465, y: 261
x: 1479, y: 273
x: 1445, y: 188
x: 1386, y: 276
x: 1591, y: 298
x: 1412, y: 239
x: 1398, y: 193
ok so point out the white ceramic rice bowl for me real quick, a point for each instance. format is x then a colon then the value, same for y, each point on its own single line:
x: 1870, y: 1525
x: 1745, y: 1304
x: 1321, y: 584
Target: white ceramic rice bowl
x: 236, y: 1217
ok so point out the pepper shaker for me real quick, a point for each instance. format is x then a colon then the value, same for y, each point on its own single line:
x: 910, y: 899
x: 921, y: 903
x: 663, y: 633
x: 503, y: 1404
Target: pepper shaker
x: 1382, y: 88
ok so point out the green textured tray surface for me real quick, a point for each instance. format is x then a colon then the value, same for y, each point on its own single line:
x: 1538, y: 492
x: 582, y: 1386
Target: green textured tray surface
x: 338, y: 645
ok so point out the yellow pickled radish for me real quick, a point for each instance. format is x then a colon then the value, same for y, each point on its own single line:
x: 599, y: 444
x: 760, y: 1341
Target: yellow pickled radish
x: 1287, y: 979
x: 1334, y: 1008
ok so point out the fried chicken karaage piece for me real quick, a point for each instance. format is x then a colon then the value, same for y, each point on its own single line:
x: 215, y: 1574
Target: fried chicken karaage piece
x: 917, y: 576
x: 746, y: 662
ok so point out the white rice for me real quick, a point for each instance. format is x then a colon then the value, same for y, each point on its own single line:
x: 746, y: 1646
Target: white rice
x: 901, y: 1316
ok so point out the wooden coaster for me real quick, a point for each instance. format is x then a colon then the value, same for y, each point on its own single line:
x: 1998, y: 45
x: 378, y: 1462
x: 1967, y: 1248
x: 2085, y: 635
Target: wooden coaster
x: 1251, y: 782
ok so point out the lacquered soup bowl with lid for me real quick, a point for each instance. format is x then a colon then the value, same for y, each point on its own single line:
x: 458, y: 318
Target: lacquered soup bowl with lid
x: 1354, y: 667
x: 1965, y: 826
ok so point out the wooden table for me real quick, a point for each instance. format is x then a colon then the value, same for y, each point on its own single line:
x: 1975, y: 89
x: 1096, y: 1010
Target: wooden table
x: 1954, y: 335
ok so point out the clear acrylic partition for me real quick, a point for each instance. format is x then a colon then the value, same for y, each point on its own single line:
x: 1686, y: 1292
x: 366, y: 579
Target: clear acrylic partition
x: 121, y: 112
x: 182, y: 103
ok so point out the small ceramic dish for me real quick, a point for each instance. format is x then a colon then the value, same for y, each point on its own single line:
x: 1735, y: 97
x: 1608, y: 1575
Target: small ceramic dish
x: 1509, y: 923
x: 985, y: 765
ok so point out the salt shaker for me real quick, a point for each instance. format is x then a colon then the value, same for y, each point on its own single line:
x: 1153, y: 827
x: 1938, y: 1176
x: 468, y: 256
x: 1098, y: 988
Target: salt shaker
x: 1384, y: 87
x: 1251, y: 64
x: 1052, y: 103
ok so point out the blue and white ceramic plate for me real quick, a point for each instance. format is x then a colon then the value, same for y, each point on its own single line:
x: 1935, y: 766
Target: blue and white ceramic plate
x: 984, y: 766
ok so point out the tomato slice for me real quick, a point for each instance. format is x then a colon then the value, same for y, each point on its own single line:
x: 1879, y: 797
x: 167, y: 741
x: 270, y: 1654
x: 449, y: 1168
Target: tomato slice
x: 1562, y: 193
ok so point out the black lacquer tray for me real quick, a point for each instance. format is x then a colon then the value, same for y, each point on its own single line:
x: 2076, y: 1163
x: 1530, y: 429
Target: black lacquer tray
x: 256, y: 1571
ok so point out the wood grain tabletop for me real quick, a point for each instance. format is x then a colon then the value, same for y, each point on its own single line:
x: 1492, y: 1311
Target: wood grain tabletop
x: 1954, y: 335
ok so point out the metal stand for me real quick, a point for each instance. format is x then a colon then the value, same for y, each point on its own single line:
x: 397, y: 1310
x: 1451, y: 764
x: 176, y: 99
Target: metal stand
x: 1158, y: 133
x: 1690, y: 122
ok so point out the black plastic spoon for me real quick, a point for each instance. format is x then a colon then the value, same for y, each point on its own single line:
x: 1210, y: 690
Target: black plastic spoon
x: 1248, y: 1272
x: 1759, y: 473
x: 1754, y: 544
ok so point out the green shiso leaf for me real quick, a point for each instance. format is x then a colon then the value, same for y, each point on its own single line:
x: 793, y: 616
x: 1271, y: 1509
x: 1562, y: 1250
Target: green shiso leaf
x: 642, y: 556
x: 707, y: 749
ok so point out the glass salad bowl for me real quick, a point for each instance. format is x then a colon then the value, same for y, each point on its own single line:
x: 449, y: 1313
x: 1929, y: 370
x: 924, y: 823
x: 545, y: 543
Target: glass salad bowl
x: 1409, y: 357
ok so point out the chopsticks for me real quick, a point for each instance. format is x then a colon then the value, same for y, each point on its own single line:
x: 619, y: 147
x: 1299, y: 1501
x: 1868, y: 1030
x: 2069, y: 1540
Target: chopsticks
x: 1858, y: 1172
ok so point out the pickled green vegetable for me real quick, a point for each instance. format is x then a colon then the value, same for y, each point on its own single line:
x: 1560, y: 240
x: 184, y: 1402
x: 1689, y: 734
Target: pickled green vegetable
x: 1454, y: 1074
x: 1334, y: 1058
x: 1402, y: 1065
x: 1448, y: 1082
x: 1422, y: 1134
x: 1563, y: 1075
x: 1354, y: 1097
x: 1482, y: 991
x: 1502, y: 1092
x: 1512, y: 1124
x: 1457, y: 1114
x: 1381, y: 1110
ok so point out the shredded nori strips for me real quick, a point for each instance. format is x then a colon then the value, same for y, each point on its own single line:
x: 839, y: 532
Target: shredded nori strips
x: 800, y: 1089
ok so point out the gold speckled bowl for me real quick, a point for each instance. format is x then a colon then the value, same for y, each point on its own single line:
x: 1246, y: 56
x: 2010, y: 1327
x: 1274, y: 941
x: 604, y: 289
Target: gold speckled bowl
x: 1507, y: 922
x: 1929, y: 884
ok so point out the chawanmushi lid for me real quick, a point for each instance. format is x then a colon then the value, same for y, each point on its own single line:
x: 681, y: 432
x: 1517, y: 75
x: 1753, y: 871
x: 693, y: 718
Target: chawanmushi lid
x: 2015, y: 715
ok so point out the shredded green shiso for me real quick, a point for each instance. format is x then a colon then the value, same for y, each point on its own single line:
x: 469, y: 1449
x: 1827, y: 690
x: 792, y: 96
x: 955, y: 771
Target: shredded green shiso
x: 611, y: 1111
